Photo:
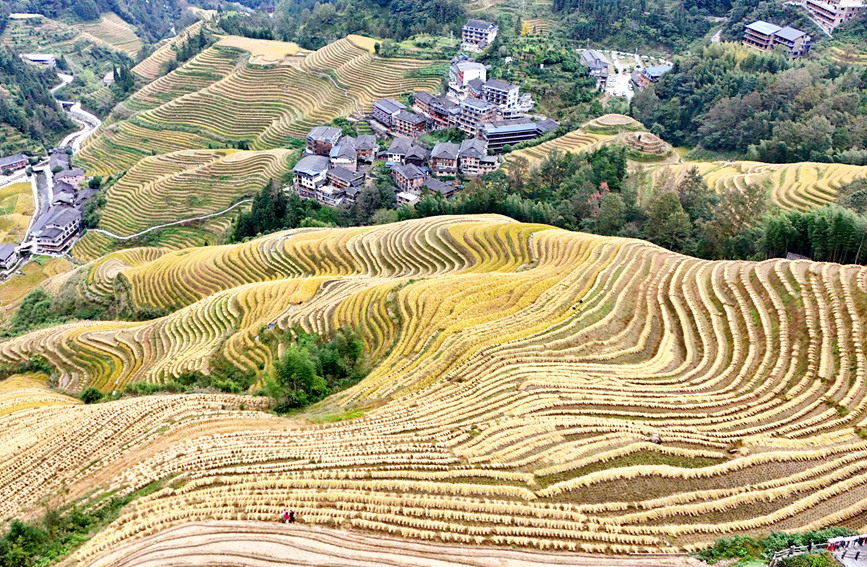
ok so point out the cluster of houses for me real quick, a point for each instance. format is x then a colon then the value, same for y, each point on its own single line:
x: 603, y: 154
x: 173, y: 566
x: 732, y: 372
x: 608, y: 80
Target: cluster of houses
x: 490, y: 112
x: 601, y: 68
x: 766, y: 36
x: 55, y: 229
x: 336, y: 166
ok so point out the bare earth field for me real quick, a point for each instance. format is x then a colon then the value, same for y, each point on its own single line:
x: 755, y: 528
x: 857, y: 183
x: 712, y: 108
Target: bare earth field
x: 256, y: 544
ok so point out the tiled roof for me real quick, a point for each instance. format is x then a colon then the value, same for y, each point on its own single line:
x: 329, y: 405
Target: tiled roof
x: 312, y: 165
x: 763, y: 27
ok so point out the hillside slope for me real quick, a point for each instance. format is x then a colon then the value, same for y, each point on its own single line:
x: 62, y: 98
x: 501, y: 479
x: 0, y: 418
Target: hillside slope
x: 233, y: 94
x: 522, y: 371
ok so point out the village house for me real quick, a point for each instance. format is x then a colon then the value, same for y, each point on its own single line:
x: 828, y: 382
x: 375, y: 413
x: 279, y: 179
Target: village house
x: 501, y: 133
x: 831, y: 13
x: 310, y: 174
x: 366, y: 147
x: 437, y: 187
x: 343, y: 178
x: 397, y: 151
x: 766, y: 36
x: 64, y: 194
x: 642, y: 78
x: 599, y: 65
x: 474, y: 113
x: 476, y: 35
x: 8, y: 255
x: 422, y: 102
x: 58, y: 160
x: 417, y: 156
x: 408, y: 178
x: 470, y: 156
x: 322, y: 139
x: 408, y: 124
x: 56, y: 229
x: 344, y: 154
x: 461, y: 72
x: 501, y: 94
x: 384, y: 110
x: 13, y: 163
x: 74, y: 176
x: 41, y: 59
x: 444, y: 158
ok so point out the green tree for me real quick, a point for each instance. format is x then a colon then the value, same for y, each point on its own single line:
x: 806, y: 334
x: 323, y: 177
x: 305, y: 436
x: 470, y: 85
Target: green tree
x: 667, y: 223
x: 612, y: 214
x: 91, y: 395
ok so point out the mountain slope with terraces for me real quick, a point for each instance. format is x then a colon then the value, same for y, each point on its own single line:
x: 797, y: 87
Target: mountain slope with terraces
x: 254, y: 92
x: 521, y: 373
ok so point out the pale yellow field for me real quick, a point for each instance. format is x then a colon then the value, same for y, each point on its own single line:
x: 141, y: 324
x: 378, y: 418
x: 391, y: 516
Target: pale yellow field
x: 262, y: 51
x: 17, y: 286
x: 16, y: 210
x: 115, y: 32
x: 796, y: 186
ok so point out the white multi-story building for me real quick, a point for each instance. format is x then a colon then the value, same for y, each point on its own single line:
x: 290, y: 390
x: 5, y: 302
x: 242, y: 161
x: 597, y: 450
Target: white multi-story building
x: 476, y: 35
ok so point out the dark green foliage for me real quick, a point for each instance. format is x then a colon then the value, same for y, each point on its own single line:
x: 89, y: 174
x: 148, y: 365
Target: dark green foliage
x: 124, y: 81
x: 827, y: 234
x: 312, y: 368
x: 58, y: 532
x: 38, y: 309
x: 93, y: 209
x: 86, y: 10
x: 762, y: 105
x: 853, y: 196
x: 26, y: 105
x: 192, y: 47
x: 345, y: 125
x: 274, y: 210
x: 745, y: 547
x: 635, y: 24
x: 823, y: 559
x: 91, y: 395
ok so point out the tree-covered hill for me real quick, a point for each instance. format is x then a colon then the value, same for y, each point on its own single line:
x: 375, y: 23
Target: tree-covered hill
x: 154, y: 20
x: 731, y: 99
x: 29, y: 114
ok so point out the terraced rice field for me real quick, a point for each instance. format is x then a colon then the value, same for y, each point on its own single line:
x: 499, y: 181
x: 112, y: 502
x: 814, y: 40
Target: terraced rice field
x: 221, y: 97
x: 113, y: 31
x: 574, y: 142
x: 166, y: 188
x: 538, y: 26
x: 211, y: 231
x: 521, y: 372
x: 17, y: 286
x: 262, y: 51
x: 16, y: 208
x: 258, y: 543
x: 149, y: 68
x: 791, y: 186
x: 366, y: 76
x: 849, y: 57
